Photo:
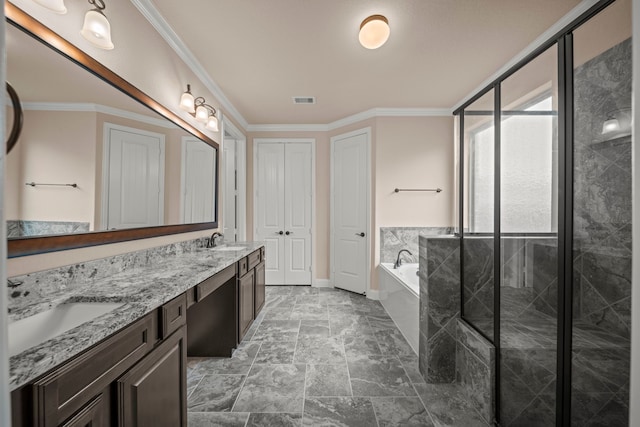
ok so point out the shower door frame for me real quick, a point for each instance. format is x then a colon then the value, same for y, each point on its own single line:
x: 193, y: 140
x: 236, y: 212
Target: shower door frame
x: 563, y: 39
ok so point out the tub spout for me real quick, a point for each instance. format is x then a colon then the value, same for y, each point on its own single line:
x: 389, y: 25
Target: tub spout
x: 398, y: 262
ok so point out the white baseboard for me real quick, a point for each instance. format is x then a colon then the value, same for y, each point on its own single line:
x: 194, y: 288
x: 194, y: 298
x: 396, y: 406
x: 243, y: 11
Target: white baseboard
x: 373, y: 294
x: 322, y: 283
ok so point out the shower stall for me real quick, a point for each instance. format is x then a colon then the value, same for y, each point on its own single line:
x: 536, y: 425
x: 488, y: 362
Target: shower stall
x: 544, y: 163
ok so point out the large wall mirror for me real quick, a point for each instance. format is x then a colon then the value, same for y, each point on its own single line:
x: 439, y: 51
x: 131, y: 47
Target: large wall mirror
x: 97, y: 160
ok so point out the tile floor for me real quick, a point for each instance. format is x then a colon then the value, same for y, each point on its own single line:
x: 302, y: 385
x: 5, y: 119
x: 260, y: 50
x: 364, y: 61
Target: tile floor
x: 321, y: 357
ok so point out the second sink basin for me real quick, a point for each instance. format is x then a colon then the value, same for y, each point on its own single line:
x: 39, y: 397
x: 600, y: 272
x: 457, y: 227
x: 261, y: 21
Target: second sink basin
x: 33, y: 330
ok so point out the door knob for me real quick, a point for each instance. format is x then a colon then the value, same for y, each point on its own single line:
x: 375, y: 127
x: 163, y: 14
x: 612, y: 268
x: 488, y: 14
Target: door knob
x: 280, y: 232
x: 360, y: 234
x: 288, y: 232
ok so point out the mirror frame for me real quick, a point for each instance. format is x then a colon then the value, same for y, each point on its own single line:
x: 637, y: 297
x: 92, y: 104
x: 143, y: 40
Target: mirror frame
x: 37, y: 245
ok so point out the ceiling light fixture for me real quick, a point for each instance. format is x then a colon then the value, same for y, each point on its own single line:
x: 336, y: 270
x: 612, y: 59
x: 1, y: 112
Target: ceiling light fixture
x: 56, y: 6
x: 199, y: 109
x: 96, y: 29
x: 374, y: 31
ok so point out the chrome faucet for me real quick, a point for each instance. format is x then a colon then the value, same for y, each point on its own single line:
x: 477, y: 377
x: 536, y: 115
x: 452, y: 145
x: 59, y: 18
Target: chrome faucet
x: 212, y: 240
x: 398, y: 262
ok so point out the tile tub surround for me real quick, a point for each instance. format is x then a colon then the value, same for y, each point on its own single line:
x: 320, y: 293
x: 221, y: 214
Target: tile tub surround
x: 358, y: 381
x: 393, y: 239
x: 22, y: 228
x: 439, y: 274
x: 143, y: 281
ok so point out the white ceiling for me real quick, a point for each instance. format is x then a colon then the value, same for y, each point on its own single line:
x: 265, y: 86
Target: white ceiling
x: 261, y: 53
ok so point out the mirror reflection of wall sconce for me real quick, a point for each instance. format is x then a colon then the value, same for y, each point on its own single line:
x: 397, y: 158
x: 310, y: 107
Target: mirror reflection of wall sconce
x: 618, y: 122
x: 198, y: 108
x: 18, y: 118
x: 96, y: 29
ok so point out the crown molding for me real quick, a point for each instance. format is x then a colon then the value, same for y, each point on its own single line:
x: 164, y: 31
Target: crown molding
x: 80, y: 107
x: 161, y: 25
x: 355, y: 118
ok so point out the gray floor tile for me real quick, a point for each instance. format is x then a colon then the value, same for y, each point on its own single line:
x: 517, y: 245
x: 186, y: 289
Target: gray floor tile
x: 216, y: 419
x: 309, y: 312
x: 327, y: 380
x: 338, y: 411
x: 215, y: 393
x: 320, y: 350
x: 273, y: 420
x: 373, y: 375
x: 401, y: 411
x: 238, y: 364
x: 410, y: 365
x: 278, y: 352
x: 277, y: 330
x: 272, y: 388
x: 448, y: 406
x: 358, y: 344
x: 391, y: 341
x: 192, y: 383
x: 314, y: 328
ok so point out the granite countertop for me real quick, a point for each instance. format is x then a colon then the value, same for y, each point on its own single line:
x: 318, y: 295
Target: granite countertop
x: 141, y: 290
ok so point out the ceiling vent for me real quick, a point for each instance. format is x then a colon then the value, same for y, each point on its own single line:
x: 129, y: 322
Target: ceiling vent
x: 304, y: 99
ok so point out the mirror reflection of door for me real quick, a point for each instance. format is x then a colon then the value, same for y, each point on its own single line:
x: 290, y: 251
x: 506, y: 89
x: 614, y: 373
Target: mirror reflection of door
x: 134, y: 166
x: 198, y: 181
x: 229, y: 156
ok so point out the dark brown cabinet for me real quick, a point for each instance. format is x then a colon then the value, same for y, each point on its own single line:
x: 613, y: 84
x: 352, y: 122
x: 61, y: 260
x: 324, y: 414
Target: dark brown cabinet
x: 259, y: 288
x: 153, y: 393
x: 245, y: 301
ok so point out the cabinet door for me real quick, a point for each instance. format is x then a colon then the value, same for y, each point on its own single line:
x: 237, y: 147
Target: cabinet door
x: 154, y: 392
x: 259, y: 288
x: 245, y: 301
x: 92, y: 415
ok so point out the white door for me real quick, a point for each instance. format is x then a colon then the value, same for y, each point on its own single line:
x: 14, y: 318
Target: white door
x: 134, y: 166
x: 283, y: 210
x: 350, y: 211
x: 198, y: 174
x: 230, y: 217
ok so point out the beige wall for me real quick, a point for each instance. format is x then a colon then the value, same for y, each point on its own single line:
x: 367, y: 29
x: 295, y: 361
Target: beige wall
x: 65, y: 156
x: 406, y: 152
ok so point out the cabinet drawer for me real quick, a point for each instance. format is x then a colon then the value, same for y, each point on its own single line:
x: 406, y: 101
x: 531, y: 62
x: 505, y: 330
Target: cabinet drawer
x: 254, y: 259
x: 64, y: 391
x: 173, y: 315
x: 242, y: 267
x: 262, y: 254
x: 214, y: 282
x: 90, y: 415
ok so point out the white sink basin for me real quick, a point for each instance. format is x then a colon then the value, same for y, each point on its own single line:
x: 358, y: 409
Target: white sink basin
x: 229, y: 248
x: 33, y: 330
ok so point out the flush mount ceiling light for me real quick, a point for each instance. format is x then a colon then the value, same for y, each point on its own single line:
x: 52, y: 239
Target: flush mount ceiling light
x: 96, y: 29
x: 199, y: 109
x: 56, y: 6
x: 374, y: 31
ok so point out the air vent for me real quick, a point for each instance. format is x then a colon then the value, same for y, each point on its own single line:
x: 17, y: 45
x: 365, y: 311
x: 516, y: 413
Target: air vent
x: 304, y: 99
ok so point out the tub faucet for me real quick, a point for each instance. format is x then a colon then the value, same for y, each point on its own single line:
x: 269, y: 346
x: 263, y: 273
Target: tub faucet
x: 212, y: 240
x: 398, y: 262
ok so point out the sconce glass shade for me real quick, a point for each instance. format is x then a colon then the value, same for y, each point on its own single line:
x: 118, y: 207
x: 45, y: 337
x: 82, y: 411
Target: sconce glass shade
x: 610, y: 125
x: 202, y: 114
x: 97, y: 30
x: 374, y: 32
x: 56, y: 6
x: 212, y: 123
x: 187, y: 101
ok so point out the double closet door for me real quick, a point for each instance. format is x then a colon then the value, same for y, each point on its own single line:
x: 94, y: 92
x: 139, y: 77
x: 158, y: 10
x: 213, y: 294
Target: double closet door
x: 283, y: 201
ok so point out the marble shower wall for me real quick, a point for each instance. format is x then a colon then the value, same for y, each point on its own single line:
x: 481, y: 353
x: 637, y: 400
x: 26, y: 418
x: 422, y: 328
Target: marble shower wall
x: 602, y: 192
x: 31, y: 288
x: 439, y: 273
x: 393, y: 239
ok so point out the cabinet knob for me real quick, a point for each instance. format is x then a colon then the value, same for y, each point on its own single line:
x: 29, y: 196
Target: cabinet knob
x: 360, y: 234
x: 280, y: 232
x: 288, y: 232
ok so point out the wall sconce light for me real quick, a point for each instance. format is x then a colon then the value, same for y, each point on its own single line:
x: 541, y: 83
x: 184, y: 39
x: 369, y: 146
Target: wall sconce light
x: 199, y: 109
x: 374, y: 31
x: 96, y: 29
x: 56, y: 6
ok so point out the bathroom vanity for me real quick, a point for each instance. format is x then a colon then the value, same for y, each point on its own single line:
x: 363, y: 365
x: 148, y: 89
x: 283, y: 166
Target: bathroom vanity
x: 128, y: 366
